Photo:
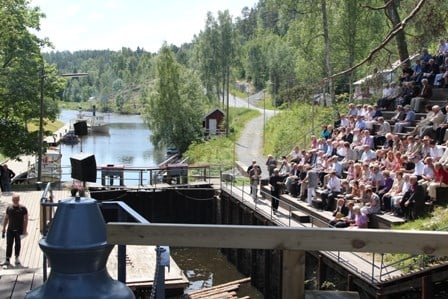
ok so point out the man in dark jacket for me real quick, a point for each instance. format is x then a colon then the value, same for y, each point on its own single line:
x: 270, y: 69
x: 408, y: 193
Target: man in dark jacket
x: 414, y: 205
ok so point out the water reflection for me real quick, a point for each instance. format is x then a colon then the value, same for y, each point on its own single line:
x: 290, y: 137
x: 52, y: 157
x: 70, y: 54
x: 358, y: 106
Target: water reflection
x: 127, y: 143
x: 206, y: 267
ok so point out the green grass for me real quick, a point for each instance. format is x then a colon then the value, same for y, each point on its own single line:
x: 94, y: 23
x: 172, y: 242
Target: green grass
x: 74, y: 105
x: 294, y: 126
x: 50, y: 126
x: 436, y: 221
x: 221, y: 149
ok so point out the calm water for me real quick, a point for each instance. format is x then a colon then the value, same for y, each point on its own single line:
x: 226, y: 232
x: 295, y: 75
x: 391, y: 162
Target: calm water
x: 128, y: 144
x: 208, y: 267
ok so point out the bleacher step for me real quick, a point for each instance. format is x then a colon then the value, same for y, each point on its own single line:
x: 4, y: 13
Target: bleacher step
x: 300, y: 216
x: 385, y: 221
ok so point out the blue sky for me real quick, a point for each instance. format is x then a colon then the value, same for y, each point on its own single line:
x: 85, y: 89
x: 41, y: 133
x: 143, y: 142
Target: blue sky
x: 111, y: 24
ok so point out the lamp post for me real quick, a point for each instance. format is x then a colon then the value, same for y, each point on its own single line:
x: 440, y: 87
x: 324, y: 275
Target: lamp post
x: 264, y: 120
x: 41, y: 117
x: 41, y: 126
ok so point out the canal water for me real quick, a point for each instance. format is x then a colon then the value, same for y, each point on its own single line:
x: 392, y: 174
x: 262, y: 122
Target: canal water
x: 128, y: 144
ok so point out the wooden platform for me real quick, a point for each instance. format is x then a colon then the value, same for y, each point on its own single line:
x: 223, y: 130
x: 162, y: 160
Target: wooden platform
x: 140, y: 268
x: 17, y: 281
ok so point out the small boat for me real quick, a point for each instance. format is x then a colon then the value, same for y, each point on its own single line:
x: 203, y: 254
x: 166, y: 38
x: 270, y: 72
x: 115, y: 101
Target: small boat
x: 96, y: 124
x: 70, y: 138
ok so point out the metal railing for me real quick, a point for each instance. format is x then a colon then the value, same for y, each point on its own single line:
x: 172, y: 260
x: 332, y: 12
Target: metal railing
x: 154, y: 176
x: 380, y: 271
x: 123, y: 213
x: 47, y: 210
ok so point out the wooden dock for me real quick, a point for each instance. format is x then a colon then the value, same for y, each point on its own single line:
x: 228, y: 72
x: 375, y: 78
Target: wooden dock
x: 57, y: 135
x: 17, y: 281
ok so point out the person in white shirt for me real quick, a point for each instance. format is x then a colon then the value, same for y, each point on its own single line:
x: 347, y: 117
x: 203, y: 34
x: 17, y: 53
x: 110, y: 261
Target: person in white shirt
x: 295, y: 155
x: 434, y: 122
x: 419, y: 166
x: 368, y: 154
x: 344, y: 121
x: 396, y: 199
x: 437, y: 151
x: 428, y: 173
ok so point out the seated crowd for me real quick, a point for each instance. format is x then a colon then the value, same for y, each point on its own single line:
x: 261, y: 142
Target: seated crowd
x: 360, y: 169
x: 366, y: 164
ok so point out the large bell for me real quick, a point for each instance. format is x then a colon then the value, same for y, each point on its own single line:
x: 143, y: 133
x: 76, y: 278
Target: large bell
x: 76, y: 247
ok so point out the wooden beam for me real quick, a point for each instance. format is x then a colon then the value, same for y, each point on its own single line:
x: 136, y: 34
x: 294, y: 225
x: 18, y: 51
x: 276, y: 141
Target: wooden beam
x: 293, y: 274
x: 261, y: 237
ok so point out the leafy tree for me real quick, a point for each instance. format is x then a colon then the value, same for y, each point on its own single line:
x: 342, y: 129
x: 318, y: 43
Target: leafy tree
x: 22, y: 74
x: 255, y: 62
x: 207, y: 49
x: 173, y: 107
x: 394, y: 17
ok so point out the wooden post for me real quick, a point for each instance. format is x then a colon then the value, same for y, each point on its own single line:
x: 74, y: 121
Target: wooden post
x: 321, y: 271
x: 293, y: 274
x: 350, y: 284
x: 427, y: 288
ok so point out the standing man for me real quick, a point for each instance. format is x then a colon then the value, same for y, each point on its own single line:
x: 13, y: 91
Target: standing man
x: 248, y: 171
x: 16, y: 220
x: 6, y: 176
x: 255, y: 175
x: 276, y: 182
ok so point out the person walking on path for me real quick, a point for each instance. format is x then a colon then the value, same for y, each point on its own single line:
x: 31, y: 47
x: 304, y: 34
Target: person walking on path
x: 15, y: 226
x: 6, y: 175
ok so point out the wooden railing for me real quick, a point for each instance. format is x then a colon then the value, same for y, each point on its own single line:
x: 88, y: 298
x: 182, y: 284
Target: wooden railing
x: 293, y: 241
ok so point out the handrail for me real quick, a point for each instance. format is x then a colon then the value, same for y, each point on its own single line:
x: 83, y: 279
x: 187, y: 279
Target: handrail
x: 46, y: 208
x: 149, y: 176
x: 420, y: 260
x: 337, y: 254
x: 124, y: 214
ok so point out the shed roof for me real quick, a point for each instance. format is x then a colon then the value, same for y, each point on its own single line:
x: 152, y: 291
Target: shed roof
x: 212, y: 111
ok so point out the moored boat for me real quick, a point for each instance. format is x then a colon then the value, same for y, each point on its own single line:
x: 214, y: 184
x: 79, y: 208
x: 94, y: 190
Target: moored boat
x: 96, y: 124
x: 70, y: 138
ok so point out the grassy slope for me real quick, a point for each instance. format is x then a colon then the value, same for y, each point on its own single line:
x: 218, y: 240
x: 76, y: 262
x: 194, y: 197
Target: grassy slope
x: 294, y: 126
x: 435, y: 221
x: 221, y: 150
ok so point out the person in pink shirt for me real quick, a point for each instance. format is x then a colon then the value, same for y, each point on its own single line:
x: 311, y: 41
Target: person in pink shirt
x: 361, y: 219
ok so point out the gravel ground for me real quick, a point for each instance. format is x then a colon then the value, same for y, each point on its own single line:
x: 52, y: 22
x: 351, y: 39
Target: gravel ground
x: 250, y: 145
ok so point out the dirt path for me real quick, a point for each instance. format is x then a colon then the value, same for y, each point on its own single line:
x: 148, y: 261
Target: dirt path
x: 250, y: 145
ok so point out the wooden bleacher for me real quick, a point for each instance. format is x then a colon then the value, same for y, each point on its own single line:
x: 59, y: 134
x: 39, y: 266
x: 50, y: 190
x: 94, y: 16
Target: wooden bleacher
x: 384, y: 221
x: 305, y: 213
x: 439, y: 97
